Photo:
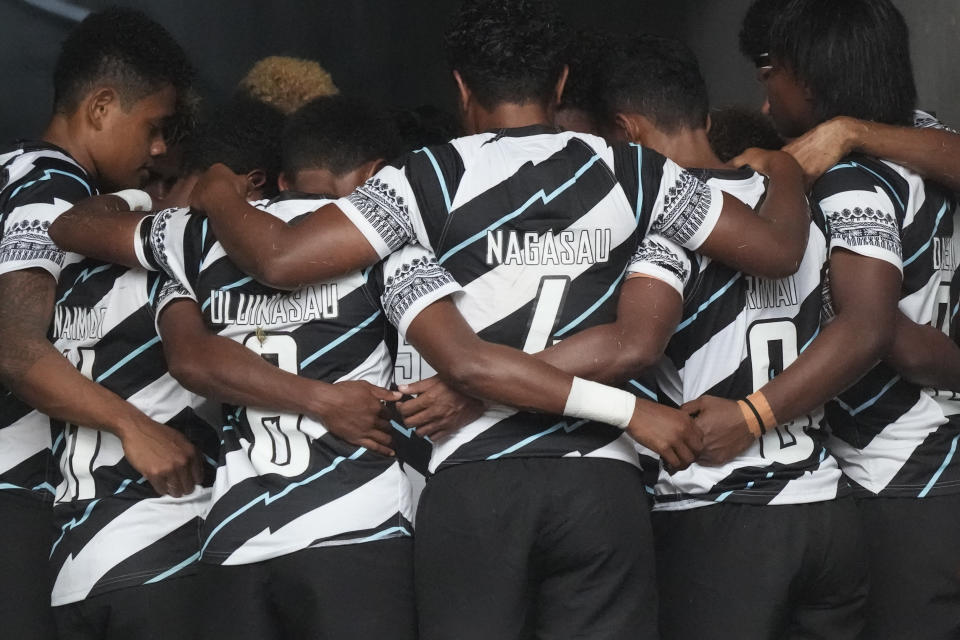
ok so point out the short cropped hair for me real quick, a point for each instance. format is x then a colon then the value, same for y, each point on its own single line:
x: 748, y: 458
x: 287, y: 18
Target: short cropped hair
x: 244, y: 134
x: 425, y: 126
x: 852, y: 55
x: 122, y: 48
x: 287, y: 83
x: 507, y: 51
x: 339, y: 134
x: 658, y: 78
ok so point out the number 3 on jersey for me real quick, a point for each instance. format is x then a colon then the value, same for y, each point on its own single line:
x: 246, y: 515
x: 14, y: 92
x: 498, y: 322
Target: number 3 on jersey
x: 772, y: 347
x: 278, y: 445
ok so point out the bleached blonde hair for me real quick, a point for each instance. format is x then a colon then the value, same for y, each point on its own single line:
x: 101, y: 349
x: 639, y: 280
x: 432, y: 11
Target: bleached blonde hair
x: 287, y: 83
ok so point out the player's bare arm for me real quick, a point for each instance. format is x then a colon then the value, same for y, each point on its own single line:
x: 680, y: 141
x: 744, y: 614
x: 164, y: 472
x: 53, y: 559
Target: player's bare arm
x: 101, y: 227
x: 930, y: 152
x: 770, y: 242
x: 647, y: 314
x: 323, y: 245
x: 865, y: 294
x: 224, y: 370
x: 38, y: 374
x: 924, y: 355
x: 508, y: 376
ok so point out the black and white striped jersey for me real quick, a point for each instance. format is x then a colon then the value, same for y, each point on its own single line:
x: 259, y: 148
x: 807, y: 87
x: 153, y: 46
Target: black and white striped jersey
x: 112, y: 529
x: 891, y: 438
x: 538, y: 227
x: 736, y: 332
x: 284, y: 483
x: 39, y: 182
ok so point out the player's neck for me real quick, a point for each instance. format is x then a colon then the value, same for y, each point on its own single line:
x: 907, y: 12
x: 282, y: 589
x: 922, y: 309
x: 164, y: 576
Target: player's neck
x: 508, y: 115
x: 62, y: 132
x: 689, y: 148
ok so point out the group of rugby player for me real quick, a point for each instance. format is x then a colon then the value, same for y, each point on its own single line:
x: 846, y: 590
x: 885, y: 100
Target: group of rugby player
x: 683, y: 388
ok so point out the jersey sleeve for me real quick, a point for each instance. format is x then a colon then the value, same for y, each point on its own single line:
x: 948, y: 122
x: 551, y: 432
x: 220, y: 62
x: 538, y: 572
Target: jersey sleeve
x: 686, y: 209
x: 385, y: 210
x: 169, y: 290
x: 176, y: 243
x: 411, y: 281
x: 924, y: 120
x: 30, y: 210
x: 859, y: 215
x: 659, y: 258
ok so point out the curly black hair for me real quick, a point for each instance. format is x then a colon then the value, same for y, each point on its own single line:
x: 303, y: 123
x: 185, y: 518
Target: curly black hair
x: 508, y: 50
x: 852, y: 55
x: 733, y: 130
x: 243, y: 134
x: 658, y: 78
x: 339, y: 134
x: 123, y: 48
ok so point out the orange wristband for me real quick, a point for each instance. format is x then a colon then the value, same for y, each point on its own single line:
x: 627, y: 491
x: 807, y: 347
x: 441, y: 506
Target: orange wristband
x: 751, y: 418
x: 759, y: 402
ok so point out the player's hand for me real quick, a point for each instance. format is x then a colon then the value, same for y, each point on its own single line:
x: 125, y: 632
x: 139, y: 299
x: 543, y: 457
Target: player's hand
x: 773, y: 164
x: 823, y: 146
x: 164, y: 456
x: 438, y: 410
x: 217, y: 183
x: 669, y: 432
x: 359, y: 415
x: 725, y: 432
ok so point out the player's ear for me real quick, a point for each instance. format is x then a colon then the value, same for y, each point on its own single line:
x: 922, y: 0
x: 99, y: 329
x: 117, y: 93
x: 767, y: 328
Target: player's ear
x: 463, y: 90
x: 709, y: 123
x: 282, y: 183
x: 256, y: 180
x: 98, y: 105
x: 371, y: 167
x: 626, y: 127
x: 561, y: 84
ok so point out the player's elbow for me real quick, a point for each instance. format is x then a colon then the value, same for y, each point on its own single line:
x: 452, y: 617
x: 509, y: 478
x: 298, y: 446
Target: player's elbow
x: 632, y: 358
x: 190, y: 370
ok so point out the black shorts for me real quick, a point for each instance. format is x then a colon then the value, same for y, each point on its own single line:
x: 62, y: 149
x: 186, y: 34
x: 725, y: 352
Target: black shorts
x: 26, y: 528
x: 914, y: 551
x: 167, y: 609
x: 535, y: 547
x: 749, y: 572
x: 343, y: 592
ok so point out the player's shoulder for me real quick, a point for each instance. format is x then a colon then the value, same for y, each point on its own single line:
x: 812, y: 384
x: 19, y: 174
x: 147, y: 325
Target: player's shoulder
x: 745, y: 184
x: 27, y: 164
x: 861, y: 173
x: 290, y: 206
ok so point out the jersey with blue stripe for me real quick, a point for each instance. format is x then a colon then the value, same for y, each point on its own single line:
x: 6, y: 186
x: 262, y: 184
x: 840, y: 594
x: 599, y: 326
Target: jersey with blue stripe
x: 39, y: 181
x: 284, y: 482
x: 737, y: 332
x: 113, y: 531
x: 538, y: 227
x: 891, y: 438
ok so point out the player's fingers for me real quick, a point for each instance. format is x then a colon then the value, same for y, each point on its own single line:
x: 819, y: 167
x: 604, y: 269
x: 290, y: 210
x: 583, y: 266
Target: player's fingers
x: 413, y: 406
x: 415, y: 388
x: 684, y: 454
x: 670, y: 459
x: 693, y: 407
x: 159, y: 484
x: 385, y: 394
x: 432, y: 430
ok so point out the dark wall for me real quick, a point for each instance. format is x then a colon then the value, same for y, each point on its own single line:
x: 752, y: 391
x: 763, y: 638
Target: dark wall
x: 389, y: 50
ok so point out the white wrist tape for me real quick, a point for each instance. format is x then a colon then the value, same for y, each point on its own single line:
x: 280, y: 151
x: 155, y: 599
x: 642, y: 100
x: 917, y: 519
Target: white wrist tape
x: 595, y: 401
x: 138, y: 247
x: 136, y: 199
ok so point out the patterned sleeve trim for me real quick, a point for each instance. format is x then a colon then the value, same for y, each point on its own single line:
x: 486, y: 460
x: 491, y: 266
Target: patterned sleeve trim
x: 28, y: 242
x: 381, y: 214
x: 158, y: 239
x: 865, y: 228
x: 170, y: 291
x: 412, y: 286
x: 690, y: 211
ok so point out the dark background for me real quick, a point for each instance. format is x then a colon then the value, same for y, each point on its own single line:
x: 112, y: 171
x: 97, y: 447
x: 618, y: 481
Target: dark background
x: 389, y: 50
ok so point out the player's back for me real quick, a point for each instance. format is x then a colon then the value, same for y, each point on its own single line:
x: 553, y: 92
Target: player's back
x: 536, y: 228
x: 735, y: 333
x: 891, y: 438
